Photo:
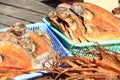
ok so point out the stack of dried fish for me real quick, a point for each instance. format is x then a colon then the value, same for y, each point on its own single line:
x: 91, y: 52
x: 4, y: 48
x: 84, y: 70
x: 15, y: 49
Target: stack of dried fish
x: 104, y: 66
x: 85, y: 22
x: 22, y: 50
x: 19, y: 49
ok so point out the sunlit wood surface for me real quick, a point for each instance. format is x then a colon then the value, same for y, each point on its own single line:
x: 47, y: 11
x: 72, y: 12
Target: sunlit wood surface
x: 26, y: 11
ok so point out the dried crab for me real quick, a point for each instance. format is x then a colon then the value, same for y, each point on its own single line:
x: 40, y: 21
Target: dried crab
x: 85, y: 22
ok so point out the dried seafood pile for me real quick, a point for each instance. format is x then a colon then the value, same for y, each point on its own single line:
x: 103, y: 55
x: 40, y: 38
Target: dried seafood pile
x: 19, y: 46
x: 104, y: 66
x: 85, y: 22
x: 22, y: 50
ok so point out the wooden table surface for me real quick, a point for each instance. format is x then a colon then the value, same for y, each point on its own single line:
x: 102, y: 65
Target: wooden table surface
x: 26, y: 11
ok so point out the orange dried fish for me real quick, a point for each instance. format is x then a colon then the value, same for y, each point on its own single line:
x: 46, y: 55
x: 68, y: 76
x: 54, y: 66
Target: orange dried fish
x: 98, y: 22
x: 14, y: 60
x: 86, y: 22
x: 13, y: 56
x: 5, y: 36
x: 41, y: 41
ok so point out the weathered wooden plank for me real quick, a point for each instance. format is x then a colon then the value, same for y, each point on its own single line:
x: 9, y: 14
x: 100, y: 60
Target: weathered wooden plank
x: 6, y: 20
x: 2, y: 25
x: 21, y: 13
x: 28, y: 5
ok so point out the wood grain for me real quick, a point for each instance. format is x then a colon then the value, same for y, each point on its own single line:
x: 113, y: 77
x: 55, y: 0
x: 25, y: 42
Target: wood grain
x: 26, y: 11
x: 6, y: 20
x: 21, y: 13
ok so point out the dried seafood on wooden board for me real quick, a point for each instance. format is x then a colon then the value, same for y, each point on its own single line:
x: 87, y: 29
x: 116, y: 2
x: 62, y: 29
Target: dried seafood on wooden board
x: 85, y: 22
x: 104, y: 66
x: 22, y: 50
